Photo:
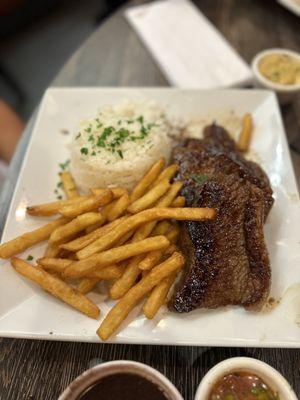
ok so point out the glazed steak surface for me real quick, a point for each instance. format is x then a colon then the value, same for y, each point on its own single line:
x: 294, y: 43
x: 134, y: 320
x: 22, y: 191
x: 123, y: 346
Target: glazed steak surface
x: 227, y: 260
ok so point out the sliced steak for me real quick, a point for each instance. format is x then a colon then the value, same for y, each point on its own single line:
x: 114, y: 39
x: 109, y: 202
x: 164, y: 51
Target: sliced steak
x: 227, y: 260
x: 218, y: 141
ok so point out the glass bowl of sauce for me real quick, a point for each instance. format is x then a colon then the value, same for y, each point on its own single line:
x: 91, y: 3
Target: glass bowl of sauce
x: 126, y: 380
x: 243, y: 378
x: 279, y: 70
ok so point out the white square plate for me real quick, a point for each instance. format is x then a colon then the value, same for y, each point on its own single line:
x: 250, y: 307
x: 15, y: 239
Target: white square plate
x: 27, y: 311
x: 292, y: 5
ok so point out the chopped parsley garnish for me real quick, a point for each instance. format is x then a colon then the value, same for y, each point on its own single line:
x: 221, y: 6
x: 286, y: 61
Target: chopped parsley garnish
x: 112, y: 138
x: 84, y: 150
x: 200, y: 179
x: 78, y: 136
x: 29, y: 257
x: 64, y: 165
x: 140, y: 120
x: 120, y: 153
x: 59, y: 184
x: 59, y: 197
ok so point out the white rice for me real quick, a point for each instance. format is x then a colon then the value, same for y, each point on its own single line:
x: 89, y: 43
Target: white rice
x: 96, y: 163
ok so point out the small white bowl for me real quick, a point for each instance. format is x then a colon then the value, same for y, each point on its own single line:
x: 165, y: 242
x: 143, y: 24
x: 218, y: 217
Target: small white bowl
x: 268, y: 374
x: 91, y: 376
x: 285, y: 93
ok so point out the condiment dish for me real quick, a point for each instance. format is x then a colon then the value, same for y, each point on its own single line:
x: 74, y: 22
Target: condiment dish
x: 285, y: 92
x: 91, y: 376
x: 268, y: 374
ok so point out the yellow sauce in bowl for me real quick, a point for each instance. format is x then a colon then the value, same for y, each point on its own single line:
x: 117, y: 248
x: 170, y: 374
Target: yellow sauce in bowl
x: 280, y: 68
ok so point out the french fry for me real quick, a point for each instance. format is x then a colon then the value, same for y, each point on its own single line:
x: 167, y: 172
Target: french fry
x: 150, y: 197
x: 63, y: 233
x: 245, y: 135
x: 158, y: 296
x: 57, y: 265
x: 165, y: 201
x: 153, y: 257
x: 28, y: 239
x: 92, y: 228
x: 178, y: 202
x: 161, y: 228
x: 56, y: 287
x: 81, y: 268
x: 86, y: 205
x: 47, y: 209
x: 68, y: 185
x: 134, y: 221
x: 83, y: 241
x: 87, y: 284
x: 104, y: 211
x: 147, y: 180
x: 52, y: 250
x: 110, y: 272
x: 116, y: 191
x: 120, y: 311
x: 168, y: 173
x: 127, y: 280
x: 119, y: 207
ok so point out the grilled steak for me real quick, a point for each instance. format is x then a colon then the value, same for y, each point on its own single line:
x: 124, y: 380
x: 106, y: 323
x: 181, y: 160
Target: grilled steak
x: 227, y: 260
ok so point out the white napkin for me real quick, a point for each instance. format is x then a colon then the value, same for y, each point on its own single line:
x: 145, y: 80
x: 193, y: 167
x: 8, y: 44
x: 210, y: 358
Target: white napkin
x: 190, y: 50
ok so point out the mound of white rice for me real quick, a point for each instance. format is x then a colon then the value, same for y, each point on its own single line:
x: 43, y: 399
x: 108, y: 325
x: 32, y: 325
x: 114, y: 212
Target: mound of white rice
x: 118, y: 145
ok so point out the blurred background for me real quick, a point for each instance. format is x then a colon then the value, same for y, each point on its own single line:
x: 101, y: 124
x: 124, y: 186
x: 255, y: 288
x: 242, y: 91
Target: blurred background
x: 36, y: 38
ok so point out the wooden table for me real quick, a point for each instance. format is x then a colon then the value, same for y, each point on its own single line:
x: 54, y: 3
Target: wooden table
x: 113, y: 56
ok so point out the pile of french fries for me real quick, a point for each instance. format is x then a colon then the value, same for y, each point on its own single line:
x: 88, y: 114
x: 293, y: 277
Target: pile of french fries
x: 128, y: 239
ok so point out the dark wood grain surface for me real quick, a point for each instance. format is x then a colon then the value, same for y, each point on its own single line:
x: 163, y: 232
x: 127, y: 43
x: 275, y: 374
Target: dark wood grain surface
x: 114, y: 56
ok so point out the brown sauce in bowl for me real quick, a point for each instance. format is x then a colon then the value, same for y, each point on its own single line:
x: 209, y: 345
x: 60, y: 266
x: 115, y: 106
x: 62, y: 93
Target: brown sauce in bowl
x: 125, y: 387
x: 242, y: 386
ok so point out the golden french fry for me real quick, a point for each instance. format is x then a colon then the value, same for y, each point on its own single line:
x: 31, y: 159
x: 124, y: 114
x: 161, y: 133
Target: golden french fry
x: 120, y: 311
x: 173, y: 233
x: 92, y: 228
x: 158, y: 296
x: 153, y: 257
x: 245, y: 135
x: 127, y: 280
x: 52, y: 250
x: 161, y: 228
x: 110, y: 272
x: 119, y: 207
x: 178, y: 202
x: 68, y: 185
x: 81, y: 268
x: 116, y: 191
x: 53, y: 208
x: 132, y: 222
x: 168, y: 173
x: 56, y: 287
x: 28, y: 239
x: 79, y: 223
x: 83, y: 241
x: 147, y: 179
x: 58, y: 265
x: 165, y: 201
x: 86, y: 205
x: 149, y: 199
x: 54, y: 264
x: 87, y: 284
